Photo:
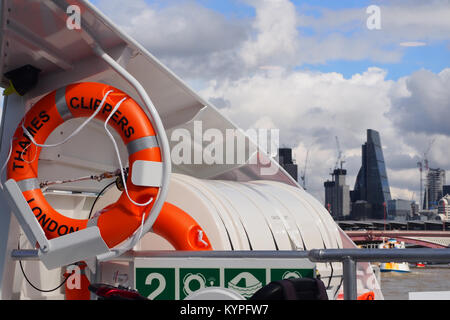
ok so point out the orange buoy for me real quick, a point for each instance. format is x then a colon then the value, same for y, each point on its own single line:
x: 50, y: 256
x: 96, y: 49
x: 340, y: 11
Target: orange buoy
x: 367, y: 296
x: 180, y: 229
x: 77, y: 284
x: 119, y: 220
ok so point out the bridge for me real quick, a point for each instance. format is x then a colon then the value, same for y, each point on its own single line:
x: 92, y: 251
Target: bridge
x: 422, y: 238
x: 430, y: 234
x: 394, y: 225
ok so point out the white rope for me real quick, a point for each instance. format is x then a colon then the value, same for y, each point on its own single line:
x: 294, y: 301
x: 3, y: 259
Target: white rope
x: 27, y: 133
x: 23, y: 152
x: 106, y: 175
x: 118, y: 156
x: 6, y: 162
x: 73, y: 133
x: 76, y: 131
x: 137, y: 236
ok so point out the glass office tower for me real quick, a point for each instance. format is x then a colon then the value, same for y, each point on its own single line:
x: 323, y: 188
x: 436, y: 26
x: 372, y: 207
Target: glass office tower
x: 372, y: 183
x: 434, y: 188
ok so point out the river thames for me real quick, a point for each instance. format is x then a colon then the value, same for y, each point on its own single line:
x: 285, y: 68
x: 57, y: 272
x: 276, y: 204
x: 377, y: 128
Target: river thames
x: 396, y: 286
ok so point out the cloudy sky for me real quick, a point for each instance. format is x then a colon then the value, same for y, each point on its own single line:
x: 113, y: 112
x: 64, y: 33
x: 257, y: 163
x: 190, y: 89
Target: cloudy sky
x: 315, y: 70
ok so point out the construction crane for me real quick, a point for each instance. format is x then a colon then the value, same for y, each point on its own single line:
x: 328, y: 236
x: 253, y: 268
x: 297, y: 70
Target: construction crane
x: 425, y: 154
x: 339, y: 159
x: 420, y: 166
x: 303, y: 174
x: 412, y: 197
x: 423, y: 165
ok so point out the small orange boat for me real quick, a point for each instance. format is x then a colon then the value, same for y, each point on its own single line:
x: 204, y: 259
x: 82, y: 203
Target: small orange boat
x: 420, y: 265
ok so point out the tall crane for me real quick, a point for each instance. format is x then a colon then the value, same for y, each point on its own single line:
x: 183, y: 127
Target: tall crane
x: 420, y: 166
x: 423, y: 165
x: 339, y: 159
x: 412, y: 197
x: 303, y: 174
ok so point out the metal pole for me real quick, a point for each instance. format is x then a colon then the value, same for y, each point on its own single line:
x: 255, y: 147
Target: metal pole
x: 380, y: 255
x: 315, y: 255
x: 349, y: 268
x: 96, y: 277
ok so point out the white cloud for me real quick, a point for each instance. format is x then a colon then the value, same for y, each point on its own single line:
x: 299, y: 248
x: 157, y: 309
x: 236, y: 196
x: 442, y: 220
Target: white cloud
x: 275, y: 36
x: 246, y: 68
x: 311, y: 108
x: 413, y: 44
x: 424, y: 103
x: 418, y: 19
x: 194, y: 41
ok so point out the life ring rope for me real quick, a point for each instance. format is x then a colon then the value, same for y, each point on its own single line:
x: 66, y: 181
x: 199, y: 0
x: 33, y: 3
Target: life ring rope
x: 116, y: 148
x: 65, y: 116
x: 81, y: 127
x: 74, y: 133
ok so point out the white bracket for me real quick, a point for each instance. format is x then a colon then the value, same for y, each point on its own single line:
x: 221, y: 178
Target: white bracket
x: 58, y: 252
x: 147, y: 173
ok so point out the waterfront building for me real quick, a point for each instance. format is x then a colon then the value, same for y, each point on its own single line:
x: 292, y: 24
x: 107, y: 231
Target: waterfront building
x: 337, y: 195
x: 287, y: 163
x: 372, y: 183
x: 446, y: 190
x: 415, y: 215
x: 444, y: 208
x: 429, y: 215
x: 399, y: 209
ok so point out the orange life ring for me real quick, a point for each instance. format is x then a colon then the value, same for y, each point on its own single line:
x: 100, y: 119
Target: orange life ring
x: 180, y: 229
x: 120, y: 219
x: 367, y: 296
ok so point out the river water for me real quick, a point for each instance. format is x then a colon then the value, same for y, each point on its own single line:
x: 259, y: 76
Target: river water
x: 395, y: 286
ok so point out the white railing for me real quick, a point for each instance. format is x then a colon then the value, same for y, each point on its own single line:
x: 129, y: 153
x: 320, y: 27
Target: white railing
x: 348, y: 257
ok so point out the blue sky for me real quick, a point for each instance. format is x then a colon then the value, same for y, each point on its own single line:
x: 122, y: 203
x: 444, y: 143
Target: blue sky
x: 433, y: 57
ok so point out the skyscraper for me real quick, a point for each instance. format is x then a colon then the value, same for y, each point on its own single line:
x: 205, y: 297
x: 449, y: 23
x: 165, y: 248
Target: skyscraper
x: 372, y: 183
x: 434, y: 188
x: 285, y: 160
x: 337, y: 195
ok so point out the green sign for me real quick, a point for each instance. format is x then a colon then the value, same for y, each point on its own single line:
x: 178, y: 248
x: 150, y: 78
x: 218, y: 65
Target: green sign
x: 281, y: 274
x: 156, y: 283
x: 245, y: 281
x: 192, y: 280
x: 175, y: 279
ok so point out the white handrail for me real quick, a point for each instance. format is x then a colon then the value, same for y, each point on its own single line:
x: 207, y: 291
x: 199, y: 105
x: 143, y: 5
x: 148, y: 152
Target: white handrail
x: 163, y: 144
x: 160, y: 135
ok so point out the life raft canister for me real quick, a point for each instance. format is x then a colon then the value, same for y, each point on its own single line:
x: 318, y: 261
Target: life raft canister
x: 118, y: 220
